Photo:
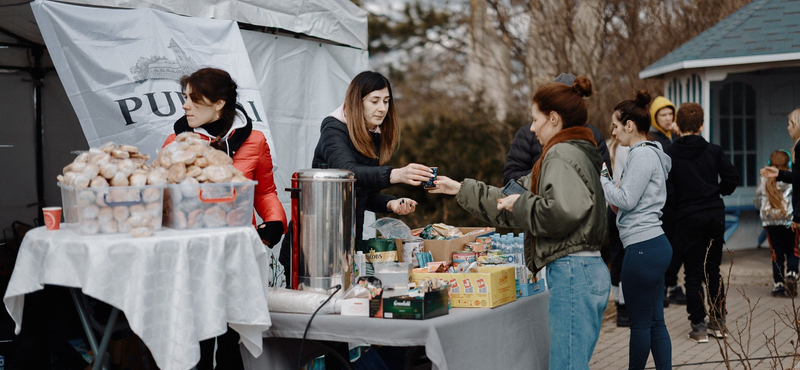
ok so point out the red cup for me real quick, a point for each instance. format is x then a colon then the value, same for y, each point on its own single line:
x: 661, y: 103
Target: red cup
x: 52, y: 217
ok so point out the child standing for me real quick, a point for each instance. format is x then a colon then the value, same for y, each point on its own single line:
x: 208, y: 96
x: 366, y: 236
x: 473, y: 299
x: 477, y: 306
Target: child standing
x: 774, y: 201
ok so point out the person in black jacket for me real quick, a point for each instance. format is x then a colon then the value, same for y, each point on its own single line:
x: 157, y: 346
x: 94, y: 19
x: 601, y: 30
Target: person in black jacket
x: 360, y: 136
x: 792, y: 176
x: 701, y: 173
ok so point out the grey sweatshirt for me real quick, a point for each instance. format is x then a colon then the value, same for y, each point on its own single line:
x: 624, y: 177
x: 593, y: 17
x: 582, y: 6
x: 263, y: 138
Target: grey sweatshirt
x: 641, y: 194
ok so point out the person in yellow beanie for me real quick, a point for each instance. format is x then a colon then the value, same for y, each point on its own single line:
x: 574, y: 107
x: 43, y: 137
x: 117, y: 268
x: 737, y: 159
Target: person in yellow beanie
x: 662, y: 120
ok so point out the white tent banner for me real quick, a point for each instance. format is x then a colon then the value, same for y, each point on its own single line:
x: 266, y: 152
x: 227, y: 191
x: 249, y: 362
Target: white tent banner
x: 121, y: 68
x: 301, y: 81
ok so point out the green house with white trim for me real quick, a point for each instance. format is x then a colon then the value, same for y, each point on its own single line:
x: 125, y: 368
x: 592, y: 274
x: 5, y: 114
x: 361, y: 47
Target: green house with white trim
x: 745, y: 72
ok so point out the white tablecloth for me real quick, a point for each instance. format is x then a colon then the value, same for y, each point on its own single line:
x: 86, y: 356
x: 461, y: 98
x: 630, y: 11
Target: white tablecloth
x: 512, y: 336
x: 176, y: 287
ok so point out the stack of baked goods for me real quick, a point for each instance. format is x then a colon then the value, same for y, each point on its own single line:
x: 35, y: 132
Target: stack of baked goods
x: 208, y: 190
x: 106, y: 186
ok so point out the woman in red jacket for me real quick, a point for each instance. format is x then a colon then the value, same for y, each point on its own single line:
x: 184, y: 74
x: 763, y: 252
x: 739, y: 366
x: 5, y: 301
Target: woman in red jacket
x: 212, y: 112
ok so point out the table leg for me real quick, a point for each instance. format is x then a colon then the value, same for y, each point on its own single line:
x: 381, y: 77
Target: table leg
x: 99, y: 351
x: 112, y: 319
x: 84, y: 321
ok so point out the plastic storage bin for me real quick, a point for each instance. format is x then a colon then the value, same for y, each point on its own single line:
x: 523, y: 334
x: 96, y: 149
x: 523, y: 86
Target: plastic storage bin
x: 112, y: 210
x: 208, y: 205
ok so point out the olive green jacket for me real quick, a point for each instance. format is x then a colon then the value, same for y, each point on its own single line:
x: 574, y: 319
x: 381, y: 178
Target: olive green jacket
x: 568, y: 215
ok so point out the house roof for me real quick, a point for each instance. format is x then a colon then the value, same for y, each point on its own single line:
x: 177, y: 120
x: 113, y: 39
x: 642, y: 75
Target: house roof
x: 762, y: 31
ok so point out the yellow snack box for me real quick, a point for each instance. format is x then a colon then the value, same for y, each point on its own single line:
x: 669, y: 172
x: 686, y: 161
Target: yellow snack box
x: 491, y: 286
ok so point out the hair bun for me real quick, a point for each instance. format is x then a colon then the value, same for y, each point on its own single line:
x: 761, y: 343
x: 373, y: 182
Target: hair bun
x: 582, y: 86
x: 642, y: 98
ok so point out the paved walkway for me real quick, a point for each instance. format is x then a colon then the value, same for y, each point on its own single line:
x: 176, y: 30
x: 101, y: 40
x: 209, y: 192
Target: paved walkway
x: 750, y: 274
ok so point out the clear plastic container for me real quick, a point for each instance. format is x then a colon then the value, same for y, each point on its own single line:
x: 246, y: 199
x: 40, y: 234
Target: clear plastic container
x: 113, y: 210
x: 208, y: 205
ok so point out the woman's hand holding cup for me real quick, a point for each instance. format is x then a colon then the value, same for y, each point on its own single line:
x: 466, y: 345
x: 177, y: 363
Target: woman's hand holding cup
x: 413, y: 174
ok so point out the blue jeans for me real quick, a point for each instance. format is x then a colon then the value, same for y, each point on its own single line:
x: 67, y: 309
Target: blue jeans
x: 643, y: 288
x: 579, y: 288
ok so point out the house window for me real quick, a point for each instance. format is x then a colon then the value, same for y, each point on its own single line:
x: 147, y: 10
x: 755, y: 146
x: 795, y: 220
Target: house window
x: 737, y: 129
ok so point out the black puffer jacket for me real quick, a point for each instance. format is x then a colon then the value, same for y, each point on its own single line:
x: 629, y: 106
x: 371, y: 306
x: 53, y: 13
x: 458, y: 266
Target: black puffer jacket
x: 336, y: 150
x: 526, y: 149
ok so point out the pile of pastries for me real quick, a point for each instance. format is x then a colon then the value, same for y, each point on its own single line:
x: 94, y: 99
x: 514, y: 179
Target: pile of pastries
x: 101, y: 208
x: 189, y: 161
x: 111, y: 197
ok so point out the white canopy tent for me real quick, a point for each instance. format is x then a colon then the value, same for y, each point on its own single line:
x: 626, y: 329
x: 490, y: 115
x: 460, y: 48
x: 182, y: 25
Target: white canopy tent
x: 303, y: 53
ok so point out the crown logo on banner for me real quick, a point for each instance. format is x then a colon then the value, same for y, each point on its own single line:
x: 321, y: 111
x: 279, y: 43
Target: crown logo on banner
x: 162, y: 68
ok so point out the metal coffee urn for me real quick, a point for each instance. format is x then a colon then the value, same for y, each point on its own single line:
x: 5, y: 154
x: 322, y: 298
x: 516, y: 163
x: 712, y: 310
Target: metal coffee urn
x: 323, y: 214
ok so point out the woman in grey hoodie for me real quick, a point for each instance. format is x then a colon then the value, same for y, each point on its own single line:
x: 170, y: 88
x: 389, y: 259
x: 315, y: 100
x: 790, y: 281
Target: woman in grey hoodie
x: 639, y: 198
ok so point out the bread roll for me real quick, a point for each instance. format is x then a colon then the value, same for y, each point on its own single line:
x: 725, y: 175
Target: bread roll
x: 215, y: 217
x: 195, y: 219
x: 106, y: 214
x: 141, y: 232
x: 89, y: 227
x: 119, y: 180
x: 98, y: 182
x: 121, y: 213
x: 138, y: 179
x: 109, y: 227
x: 217, y: 174
x: 88, y: 212
x: 238, y: 217
x: 151, y: 195
x: 176, y: 173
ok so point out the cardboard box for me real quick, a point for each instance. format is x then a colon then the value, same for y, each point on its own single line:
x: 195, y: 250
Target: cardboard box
x: 418, y: 308
x: 529, y: 289
x: 442, y: 250
x: 491, y: 286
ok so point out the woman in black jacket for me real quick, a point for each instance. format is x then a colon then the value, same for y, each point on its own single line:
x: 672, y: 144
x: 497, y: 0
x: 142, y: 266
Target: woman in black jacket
x: 360, y: 136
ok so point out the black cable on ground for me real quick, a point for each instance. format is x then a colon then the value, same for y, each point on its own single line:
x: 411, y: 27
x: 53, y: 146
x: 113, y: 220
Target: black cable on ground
x: 337, y: 288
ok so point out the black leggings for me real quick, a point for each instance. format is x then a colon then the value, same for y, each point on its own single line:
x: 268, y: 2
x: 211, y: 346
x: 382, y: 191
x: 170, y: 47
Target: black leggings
x: 643, y: 277
x: 783, y: 244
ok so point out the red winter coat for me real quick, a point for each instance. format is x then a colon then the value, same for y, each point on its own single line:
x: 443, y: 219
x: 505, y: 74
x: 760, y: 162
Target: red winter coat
x: 255, y: 162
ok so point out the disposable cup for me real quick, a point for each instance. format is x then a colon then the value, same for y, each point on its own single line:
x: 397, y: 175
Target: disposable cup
x: 52, y: 217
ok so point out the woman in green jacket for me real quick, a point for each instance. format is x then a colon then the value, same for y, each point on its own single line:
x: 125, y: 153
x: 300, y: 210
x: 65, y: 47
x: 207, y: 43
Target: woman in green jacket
x: 563, y: 213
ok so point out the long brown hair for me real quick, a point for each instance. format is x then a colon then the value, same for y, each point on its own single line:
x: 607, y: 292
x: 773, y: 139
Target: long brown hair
x: 215, y: 85
x: 779, y: 159
x: 357, y: 125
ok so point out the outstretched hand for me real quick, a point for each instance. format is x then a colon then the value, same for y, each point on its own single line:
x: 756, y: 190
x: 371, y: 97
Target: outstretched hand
x: 402, y: 206
x: 769, y: 171
x: 445, y: 185
x: 413, y: 174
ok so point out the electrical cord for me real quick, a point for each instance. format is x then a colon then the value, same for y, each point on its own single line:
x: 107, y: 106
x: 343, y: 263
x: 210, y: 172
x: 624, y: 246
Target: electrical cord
x: 337, y: 288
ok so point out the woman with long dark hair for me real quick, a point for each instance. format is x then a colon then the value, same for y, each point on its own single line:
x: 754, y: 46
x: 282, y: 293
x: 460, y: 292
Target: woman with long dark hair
x: 361, y: 136
x: 640, y: 198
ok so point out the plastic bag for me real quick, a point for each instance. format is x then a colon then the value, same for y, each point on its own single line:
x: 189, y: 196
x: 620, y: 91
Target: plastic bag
x: 392, y: 228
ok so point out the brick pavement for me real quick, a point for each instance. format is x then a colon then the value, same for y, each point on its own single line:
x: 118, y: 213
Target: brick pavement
x: 750, y: 273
